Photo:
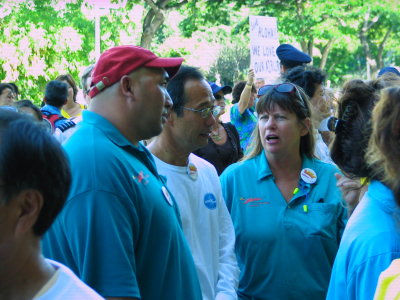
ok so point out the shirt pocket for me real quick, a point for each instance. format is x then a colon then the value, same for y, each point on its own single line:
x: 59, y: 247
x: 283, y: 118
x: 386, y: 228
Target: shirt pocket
x: 321, y: 220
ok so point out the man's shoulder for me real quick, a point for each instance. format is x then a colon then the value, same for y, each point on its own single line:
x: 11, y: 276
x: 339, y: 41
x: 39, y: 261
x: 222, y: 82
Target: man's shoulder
x: 68, y: 285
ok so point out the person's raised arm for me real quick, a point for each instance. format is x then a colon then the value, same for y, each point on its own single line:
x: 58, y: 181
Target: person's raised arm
x: 245, y: 96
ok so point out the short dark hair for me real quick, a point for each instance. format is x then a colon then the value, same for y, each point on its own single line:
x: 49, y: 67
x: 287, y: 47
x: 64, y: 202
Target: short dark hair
x: 176, y: 86
x: 56, y: 93
x: 68, y: 78
x: 28, y: 103
x: 30, y: 158
x: 238, y: 89
x: 306, y: 78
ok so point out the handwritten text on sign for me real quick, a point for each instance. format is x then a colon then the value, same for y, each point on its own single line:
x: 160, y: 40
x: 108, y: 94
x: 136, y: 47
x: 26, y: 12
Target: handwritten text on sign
x: 263, y: 44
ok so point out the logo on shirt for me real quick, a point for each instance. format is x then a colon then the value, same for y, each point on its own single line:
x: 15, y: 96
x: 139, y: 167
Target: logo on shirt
x: 209, y: 201
x: 253, y: 201
x: 141, y: 178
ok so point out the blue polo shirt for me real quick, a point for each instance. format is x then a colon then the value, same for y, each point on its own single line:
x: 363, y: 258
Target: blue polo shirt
x: 120, y: 229
x: 369, y: 244
x: 284, y: 250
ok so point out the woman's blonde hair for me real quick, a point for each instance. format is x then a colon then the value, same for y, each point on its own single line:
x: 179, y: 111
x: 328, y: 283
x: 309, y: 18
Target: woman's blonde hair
x: 383, y: 154
x: 296, y: 102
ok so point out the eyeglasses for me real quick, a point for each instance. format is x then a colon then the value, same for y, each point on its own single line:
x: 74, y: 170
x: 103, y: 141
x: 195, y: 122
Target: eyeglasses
x: 206, y: 112
x: 286, y: 87
x: 219, y: 97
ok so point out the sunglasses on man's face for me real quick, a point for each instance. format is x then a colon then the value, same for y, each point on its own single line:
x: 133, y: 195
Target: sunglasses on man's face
x: 286, y: 87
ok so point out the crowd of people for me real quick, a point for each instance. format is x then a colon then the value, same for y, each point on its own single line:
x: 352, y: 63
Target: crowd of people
x: 144, y: 193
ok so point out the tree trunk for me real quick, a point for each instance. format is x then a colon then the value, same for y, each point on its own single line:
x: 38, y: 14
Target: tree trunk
x: 325, y: 53
x: 151, y: 24
x: 379, y: 59
x: 363, y: 34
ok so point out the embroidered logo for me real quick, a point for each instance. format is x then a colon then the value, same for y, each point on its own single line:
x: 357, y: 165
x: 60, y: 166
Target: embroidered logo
x: 141, y: 178
x: 253, y: 201
x: 209, y: 201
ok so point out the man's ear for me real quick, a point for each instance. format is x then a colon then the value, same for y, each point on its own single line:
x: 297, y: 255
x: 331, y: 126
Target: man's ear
x: 306, y: 127
x: 30, y: 203
x: 126, y: 86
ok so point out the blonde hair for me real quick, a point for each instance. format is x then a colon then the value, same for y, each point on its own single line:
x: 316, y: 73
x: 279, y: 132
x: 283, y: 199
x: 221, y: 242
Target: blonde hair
x: 383, y: 153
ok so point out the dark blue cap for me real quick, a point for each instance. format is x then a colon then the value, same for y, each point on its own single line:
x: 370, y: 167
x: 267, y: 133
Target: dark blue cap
x: 291, y: 57
x: 388, y: 70
x: 216, y: 88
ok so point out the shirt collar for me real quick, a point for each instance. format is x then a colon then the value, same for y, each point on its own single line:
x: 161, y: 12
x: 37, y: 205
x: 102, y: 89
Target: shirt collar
x: 265, y: 171
x: 115, y: 136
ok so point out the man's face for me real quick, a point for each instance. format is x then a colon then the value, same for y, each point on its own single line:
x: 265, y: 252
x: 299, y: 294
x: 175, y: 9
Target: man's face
x: 191, y: 131
x: 259, y: 83
x: 7, y: 97
x: 155, y: 102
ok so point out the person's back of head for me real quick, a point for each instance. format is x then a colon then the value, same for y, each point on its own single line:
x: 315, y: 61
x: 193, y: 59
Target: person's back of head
x: 27, y: 106
x: 176, y: 86
x: 306, y: 78
x: 56, y: 93
x: 383, y: 153
x: 31, y: 159
x: 238, y: 89
x: 353, y: 127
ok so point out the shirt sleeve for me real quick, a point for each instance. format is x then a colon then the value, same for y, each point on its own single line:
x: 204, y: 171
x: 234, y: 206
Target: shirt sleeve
x: 103, y: 229
x: 228, y: 271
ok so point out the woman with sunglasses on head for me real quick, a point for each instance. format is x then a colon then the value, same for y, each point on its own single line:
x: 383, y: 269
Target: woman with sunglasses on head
x: 242, y: 112
x: 287, y: 212
x: 223, y: 148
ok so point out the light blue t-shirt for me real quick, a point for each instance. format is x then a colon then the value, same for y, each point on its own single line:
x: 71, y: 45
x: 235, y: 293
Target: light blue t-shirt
x: 370, y: 242
x: 284, y: 250
x: 244, y: 123
x: 120, y: 229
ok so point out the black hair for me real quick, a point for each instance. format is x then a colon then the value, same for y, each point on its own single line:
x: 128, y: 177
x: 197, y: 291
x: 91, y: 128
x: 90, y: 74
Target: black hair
x: 353, y: 129
x: 306, y: 78
x: 56, y: 93
x: 238, y: 89
x: 176, y: 86
x: 30, y: 158
x: 28, y: 103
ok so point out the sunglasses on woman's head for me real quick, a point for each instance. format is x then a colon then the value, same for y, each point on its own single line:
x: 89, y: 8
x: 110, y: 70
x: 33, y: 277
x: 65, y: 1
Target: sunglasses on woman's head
x: 286, y: 87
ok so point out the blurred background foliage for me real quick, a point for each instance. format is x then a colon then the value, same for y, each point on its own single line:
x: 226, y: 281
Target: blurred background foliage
x: 41, y: 39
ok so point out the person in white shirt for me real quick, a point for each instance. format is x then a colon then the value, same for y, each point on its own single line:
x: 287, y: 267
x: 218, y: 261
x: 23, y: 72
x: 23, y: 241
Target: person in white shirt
x: 195, y: 185
x: 34, y: 183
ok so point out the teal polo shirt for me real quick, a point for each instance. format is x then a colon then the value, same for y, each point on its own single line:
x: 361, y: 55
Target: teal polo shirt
x: 120, y: 229
x: 284, y: 250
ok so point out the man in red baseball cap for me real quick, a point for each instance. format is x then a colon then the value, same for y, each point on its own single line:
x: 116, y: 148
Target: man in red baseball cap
x: 120, y: 230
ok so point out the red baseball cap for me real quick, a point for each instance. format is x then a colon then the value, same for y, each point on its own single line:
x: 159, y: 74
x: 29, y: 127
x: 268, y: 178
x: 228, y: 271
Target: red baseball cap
x: 122, y: 60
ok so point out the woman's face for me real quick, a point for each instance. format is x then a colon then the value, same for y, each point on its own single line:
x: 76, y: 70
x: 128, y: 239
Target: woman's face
x: 70, y: 91
x: 318, y: 100
x: 281, y: 131
x: 7, y: 97
x: 220, y: 101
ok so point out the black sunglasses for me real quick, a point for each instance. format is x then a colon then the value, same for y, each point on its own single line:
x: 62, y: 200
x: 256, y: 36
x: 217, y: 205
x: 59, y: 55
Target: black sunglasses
x: 286, y: 87
x: 219, y: 97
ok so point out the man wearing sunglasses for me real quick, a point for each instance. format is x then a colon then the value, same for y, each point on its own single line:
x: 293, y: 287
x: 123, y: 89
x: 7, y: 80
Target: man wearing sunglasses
x: 195, y: 184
